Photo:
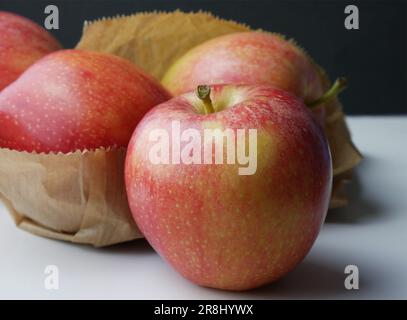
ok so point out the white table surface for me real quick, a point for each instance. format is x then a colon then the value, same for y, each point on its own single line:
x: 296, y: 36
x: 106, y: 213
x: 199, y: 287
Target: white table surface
x: 370, y: 233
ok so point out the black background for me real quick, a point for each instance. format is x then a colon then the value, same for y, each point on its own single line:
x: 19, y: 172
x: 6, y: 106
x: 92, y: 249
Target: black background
x: 373, y: 58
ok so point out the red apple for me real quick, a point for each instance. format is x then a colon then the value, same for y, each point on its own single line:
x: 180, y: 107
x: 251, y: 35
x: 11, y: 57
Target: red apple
x: 218, y: 226
x: 22, y: 42
x: 75, y: 99
x: 247, y: 58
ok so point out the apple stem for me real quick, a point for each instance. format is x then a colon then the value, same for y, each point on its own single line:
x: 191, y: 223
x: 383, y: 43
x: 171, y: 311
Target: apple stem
x: 339, y: 85
x: 204, y: 93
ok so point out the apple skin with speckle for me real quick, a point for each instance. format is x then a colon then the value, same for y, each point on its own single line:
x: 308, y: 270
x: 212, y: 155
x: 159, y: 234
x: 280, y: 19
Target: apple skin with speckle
x: 220, y: 229
x: 247, y: 58
x: 76, y: 100
x: 22, y: 42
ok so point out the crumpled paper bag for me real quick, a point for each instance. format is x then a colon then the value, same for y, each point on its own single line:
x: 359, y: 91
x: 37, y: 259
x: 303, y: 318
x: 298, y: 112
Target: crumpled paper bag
x: 154, y: 41
x: 78, y: 197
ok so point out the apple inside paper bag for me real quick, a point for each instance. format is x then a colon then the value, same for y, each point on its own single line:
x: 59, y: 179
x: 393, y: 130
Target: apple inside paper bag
x: 65, y: 125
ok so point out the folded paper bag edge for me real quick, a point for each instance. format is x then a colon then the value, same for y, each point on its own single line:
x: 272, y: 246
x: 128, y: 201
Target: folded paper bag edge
x: 43, y: 195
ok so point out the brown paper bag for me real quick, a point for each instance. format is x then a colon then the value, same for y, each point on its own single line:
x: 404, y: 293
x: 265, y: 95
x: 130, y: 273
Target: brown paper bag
x: 78, y: 197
